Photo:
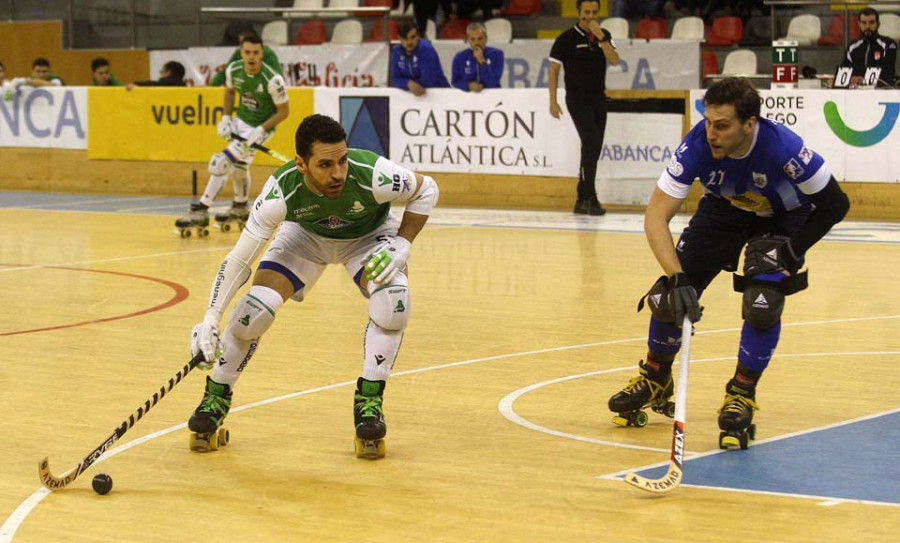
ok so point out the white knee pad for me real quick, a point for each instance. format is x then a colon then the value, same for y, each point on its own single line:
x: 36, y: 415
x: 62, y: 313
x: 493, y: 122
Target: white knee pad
x: 389, y: 307
x: 220, y: 165
x: 255, y: 313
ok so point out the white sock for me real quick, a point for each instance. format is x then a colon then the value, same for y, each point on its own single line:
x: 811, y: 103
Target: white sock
x: 380, y: 353
x: 213, y: 187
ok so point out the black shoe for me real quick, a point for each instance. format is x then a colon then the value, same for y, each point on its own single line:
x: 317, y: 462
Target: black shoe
x: 589, y: 207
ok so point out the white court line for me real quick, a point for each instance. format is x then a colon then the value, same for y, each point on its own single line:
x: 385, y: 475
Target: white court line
x: 18, y: 516
x: 83, y: 202
x: 117, y: 259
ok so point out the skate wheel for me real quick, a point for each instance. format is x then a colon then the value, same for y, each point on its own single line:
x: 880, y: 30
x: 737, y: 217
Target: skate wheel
x: 621, y: 421
x: 751, y: 431
x: 728, y: 441
x: 670, y: 410
x: 224, y: 437
x: 204, y: 442
x: 370, y: 449
x: 203, y: 232
x: 225, y: 227
x: 639, y: 419
x: 185, y: 233
x: 744, y: 441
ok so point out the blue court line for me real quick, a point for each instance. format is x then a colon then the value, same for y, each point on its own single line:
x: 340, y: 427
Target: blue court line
x: 854, y: 461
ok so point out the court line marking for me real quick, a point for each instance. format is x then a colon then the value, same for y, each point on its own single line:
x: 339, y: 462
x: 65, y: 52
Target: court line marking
x: 89, y: 202
x: 18, y: 516
x: 117, y: 259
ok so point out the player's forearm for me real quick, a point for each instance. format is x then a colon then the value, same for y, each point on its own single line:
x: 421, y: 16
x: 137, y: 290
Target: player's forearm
x: 232, y: 274
x: 553, y: 81
x: 280, y: 114
x: 411, y: 224
x: 228, y: 102
x: 660, y: 211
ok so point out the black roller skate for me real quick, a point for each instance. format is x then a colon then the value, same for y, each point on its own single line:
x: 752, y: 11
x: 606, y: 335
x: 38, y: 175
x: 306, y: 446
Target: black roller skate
x: 207, y: 433
x: 197, y: 218
x: 238, y: 215
x: 368, y: 416
x: 650, y: 388
x: 736, y: 417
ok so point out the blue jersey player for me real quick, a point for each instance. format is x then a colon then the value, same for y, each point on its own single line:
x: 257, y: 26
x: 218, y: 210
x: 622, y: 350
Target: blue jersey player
x: 765, y: 190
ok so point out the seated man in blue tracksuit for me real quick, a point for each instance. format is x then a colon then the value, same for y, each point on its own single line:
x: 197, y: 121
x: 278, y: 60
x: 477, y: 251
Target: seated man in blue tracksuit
x: 415, y: 65
x: 479, y: 67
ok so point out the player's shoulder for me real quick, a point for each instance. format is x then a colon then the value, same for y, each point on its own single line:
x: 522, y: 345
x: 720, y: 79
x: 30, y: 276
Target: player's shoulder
x: 235, y: 66
x: 694, y: 142
x: 287, y: 176
x: 362, y: 158
x: 777, y: 138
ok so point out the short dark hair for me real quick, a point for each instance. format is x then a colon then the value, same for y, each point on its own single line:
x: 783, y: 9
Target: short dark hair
x: 404, y: 28
x: 252, y: 38
x: 98, y: 62
x: 737, y: 92
x: 579, y: 2
x: 317, y: 129
x: 40, y: 61
x: 175, y: 68
x: 869, y: 11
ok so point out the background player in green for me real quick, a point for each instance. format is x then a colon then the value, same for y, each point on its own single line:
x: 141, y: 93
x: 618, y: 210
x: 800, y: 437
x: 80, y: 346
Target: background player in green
x: 263, y: 104
x: 269, y: 58
x: 330, y: 206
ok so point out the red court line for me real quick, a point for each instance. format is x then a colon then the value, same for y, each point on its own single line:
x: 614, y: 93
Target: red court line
x: 181, y: 294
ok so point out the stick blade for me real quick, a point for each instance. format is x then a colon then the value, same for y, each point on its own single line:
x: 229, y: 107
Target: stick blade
x: 669, y: 482
x: 50, y: 481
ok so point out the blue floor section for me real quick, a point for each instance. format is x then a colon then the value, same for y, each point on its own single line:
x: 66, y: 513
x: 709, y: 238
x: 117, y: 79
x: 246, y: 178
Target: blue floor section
x: 857, y: 461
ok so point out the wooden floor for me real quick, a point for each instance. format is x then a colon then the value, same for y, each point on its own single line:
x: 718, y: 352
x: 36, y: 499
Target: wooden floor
x: 523, y: 325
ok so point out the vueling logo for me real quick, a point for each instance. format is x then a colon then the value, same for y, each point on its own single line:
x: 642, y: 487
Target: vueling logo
x: 864, y: 138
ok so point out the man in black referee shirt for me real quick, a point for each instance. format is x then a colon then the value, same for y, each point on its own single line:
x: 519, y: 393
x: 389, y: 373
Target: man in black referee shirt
x: 583, y: 51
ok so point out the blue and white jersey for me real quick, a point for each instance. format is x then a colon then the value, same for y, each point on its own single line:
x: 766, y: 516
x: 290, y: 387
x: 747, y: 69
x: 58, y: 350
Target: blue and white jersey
x: 775, y: 176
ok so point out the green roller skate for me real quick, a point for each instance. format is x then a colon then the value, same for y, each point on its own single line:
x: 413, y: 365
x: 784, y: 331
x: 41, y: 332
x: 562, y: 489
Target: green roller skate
x: 207, y: 433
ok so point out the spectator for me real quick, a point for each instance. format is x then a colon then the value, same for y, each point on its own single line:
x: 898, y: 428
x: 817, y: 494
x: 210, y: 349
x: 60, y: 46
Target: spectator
x: 102, y: 76
x: 40, y: 76
x: 427, y: 9
x: 871, y: 50
x: 269, y: 58
x: 415, y: 65
x: 631, y: 9
x: 171, y: 75
x: 466, y: 8
x: 479, y: 67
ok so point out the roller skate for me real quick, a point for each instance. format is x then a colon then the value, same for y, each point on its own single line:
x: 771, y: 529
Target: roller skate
x: 648, y: 389
x: 368, y: 416
x: 736, y: 417
x: 197, y: 218
x: 207, y: 433
x: 238, y: 215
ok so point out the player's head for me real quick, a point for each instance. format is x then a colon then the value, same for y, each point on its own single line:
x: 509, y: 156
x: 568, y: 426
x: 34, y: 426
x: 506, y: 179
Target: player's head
x: 173, y: 68
x: 868, y: 22
x: 40, y: 68
x: 100, y: 69
x: 409, y: 35
x: 246, y: 33
x: 587, y: 11
x: 476, y: 35
x: 322, y: 154
x: 252, y: 53
x: 731, y: 113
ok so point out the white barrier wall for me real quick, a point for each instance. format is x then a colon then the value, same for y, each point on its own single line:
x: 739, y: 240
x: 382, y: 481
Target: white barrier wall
x: 502, y: 132
x: 45, y: 117
x: 854, y: 130
x: 660, y: 64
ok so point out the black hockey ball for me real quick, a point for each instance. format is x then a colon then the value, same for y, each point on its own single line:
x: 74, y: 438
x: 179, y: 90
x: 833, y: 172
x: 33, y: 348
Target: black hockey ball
x: 102, y: 483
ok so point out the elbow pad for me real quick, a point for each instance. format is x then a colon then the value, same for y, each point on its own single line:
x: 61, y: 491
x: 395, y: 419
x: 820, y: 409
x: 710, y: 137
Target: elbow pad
x: 426, y: 199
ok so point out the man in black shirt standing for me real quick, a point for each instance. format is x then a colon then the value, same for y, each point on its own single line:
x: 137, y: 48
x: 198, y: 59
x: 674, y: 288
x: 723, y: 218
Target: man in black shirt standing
x: 871, y: 50
x: 583, y: 51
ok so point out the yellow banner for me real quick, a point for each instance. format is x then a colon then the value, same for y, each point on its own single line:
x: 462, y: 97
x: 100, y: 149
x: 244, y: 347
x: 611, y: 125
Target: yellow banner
x: 175, y: 124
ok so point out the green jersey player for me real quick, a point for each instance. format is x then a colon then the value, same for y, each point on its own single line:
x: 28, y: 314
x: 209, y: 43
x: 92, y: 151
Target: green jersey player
x: 330, y: 206
x: 269, y: 58
x: 263, y: 104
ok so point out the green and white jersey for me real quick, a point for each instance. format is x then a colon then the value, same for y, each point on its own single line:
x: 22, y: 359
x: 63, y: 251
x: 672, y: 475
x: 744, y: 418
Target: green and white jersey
x: 373, y: 183
x: 258, y: 93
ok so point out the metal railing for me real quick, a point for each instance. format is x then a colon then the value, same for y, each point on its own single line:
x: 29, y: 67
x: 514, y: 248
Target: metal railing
x: 846, y: 3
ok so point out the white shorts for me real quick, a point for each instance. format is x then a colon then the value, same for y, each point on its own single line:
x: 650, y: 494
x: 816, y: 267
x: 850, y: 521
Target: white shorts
x: 242, y: 153
x: 302, y: 256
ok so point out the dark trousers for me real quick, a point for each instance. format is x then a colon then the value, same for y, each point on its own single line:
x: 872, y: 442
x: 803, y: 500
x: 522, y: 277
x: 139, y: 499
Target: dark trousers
x: 588, y: 112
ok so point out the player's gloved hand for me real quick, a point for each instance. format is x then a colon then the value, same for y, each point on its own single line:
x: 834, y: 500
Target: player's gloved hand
x: 8, y: 92
x: 205, y: 340
x: 683, y: 299
x: 387, y: 260
x: 256, y: 136
x: 771, y: 254
x: 225, y: 127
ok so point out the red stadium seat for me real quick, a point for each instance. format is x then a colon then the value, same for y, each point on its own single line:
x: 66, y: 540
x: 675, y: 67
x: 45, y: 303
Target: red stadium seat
x: 650, y: 29
x: 455, y: 29
x: 376, y: 33
x: 311, y: 32
x: 523, y: 7
x: 710, y: 63
x: 725, y: 31
x: 835, y: 34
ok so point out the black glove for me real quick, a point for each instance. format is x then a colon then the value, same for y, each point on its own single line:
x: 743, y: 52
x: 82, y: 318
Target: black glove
x: 683, y: 299
x: 770, y: 254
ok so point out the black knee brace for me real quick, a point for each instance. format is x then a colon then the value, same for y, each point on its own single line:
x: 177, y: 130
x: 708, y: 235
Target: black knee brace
x: 764, y: 300
x: 658, y: 300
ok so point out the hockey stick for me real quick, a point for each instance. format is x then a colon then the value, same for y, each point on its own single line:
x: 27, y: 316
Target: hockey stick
x: 56, y: 483
x: 271, y: 152
x: 673, y: 476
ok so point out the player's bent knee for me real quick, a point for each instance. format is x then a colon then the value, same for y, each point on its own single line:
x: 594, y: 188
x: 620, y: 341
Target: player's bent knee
x: 254, y: 313
x: 389, y: 307
x: 658, y: 300
x: 220, y: 164
x: 763, y: 305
